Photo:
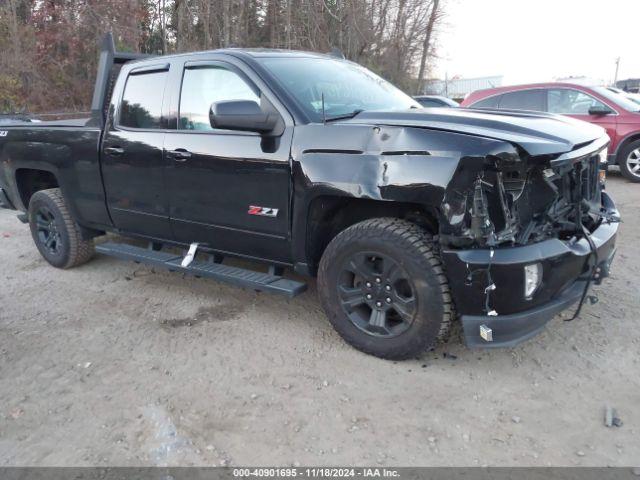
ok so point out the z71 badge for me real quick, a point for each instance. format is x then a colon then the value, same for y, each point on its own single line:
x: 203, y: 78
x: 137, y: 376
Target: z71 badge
x: 263, y: 211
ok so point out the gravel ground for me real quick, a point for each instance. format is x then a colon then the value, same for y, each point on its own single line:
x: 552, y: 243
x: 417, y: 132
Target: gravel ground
x: 115, y: 364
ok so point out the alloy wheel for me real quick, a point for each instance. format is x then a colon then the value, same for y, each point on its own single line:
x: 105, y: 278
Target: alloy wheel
x: 376, y: 294
x: 633, y: 162
x: 47, y: 231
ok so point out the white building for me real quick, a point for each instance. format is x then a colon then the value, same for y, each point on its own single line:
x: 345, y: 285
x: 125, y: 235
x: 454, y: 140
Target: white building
x: 459, y: 88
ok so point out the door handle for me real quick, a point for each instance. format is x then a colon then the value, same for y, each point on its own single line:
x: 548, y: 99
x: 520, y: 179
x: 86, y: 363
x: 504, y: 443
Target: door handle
x: 114, y: 151
x: 180, y: 154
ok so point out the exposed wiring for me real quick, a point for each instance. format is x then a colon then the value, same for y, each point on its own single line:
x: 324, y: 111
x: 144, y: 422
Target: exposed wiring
x: 490, y: 285
x: 593, y: 252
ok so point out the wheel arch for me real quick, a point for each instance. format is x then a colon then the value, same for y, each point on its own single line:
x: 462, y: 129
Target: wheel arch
x: 328, y: 215
x: 30, y: 180
x: 632, y: 137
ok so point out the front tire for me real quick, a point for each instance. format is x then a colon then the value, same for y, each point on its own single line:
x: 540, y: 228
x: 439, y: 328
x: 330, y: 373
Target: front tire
x: 630, y: 161
x: 56, y: 235
x: 383, y: 288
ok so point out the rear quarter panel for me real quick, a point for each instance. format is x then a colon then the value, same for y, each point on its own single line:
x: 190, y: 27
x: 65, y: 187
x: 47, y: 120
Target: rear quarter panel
x: 69, y: 153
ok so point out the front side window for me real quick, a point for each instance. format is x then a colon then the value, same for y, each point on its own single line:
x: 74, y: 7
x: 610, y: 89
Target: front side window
x: 203, y: 86
x: 571, y: 102
x: 523, y: 100
x: 141, y: 105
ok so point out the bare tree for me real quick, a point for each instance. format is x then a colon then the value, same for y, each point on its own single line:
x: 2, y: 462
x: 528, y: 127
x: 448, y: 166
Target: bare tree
x: 434, y: 16
x: 49, y: 47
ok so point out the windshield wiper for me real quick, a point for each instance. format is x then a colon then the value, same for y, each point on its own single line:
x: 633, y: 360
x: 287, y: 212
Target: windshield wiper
x: 344, y: 116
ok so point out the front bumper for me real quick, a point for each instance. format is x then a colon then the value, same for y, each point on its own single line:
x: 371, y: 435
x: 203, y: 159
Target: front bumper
x: 566, y: 267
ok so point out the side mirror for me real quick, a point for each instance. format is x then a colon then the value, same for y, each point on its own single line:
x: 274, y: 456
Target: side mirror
x: 599, y: 110
x: 245, y: 115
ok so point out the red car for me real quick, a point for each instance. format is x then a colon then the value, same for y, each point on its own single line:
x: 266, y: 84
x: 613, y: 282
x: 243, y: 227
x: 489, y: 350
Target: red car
x: 618, y: 115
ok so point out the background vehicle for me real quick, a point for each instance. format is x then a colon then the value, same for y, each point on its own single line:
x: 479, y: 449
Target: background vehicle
x: 619, y: 116
x: 634, y: 97
x: 302, y: 160
x: 435, y: 101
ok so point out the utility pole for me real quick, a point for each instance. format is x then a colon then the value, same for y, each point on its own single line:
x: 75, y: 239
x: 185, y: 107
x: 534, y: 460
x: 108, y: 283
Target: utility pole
x: 615, y: 78
x: 446, y: 84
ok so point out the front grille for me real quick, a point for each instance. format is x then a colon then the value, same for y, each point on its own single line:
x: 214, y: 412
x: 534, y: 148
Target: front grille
x: 590, y: 177
x: 577, y: 193
x: 580, y: 181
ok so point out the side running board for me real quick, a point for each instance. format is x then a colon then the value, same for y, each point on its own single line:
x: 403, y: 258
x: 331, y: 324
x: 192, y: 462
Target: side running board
x: 224, y: 273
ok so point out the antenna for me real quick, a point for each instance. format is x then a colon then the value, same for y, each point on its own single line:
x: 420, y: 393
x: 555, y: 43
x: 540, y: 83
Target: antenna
x: 324, y: 118
x: 615, y: 78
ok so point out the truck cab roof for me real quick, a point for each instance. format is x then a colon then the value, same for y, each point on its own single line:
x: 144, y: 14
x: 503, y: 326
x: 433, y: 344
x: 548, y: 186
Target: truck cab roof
x: 245, y: 53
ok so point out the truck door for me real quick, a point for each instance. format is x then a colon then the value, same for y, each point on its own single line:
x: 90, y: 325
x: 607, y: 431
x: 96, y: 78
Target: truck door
x: 133, y: 164
x: 228, y: 189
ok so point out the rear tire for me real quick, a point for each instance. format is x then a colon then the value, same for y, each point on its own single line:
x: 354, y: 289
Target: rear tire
x: 629, y: 161
x: 383, y: 288
x: 55, y: 233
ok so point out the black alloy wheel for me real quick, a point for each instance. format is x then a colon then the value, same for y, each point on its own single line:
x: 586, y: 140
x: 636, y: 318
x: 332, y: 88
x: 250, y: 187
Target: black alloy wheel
x: 47, y: 230
x: 377, y: 294
x: 57, y: 235
x: 382, y: 285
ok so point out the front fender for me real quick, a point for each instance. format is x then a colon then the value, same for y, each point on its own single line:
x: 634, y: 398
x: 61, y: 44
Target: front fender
x: 385, y: 163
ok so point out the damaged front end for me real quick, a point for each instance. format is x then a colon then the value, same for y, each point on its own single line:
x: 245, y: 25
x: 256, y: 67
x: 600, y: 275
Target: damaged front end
x: 512, y: 199
x: 523, y: 237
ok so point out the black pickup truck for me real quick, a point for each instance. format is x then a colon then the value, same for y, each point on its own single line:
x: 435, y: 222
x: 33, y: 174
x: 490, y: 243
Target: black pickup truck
x: 410, y: 218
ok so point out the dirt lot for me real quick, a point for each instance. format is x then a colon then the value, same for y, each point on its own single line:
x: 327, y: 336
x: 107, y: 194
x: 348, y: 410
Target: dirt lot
x: 114, y: 364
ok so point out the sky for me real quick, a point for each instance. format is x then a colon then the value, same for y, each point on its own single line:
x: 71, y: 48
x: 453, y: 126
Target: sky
x: 540, y: 40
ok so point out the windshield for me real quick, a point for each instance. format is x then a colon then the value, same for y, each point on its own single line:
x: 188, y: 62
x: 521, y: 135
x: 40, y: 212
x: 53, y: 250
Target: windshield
x: 346, y: 86
x: 618, y: 99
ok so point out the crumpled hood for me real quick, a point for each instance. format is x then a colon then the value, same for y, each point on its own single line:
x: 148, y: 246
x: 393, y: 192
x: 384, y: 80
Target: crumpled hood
x: 536, y: 133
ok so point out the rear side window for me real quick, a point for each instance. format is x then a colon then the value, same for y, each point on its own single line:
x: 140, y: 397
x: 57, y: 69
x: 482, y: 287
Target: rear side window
x: 203, y: 86
x: 489, y: 102
x: 141, y: 105
x: 523, y: 100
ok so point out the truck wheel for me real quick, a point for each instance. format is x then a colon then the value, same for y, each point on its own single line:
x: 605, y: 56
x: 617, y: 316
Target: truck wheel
x: 630, y: 161
x: 383, y: 288
x: 55, y: 233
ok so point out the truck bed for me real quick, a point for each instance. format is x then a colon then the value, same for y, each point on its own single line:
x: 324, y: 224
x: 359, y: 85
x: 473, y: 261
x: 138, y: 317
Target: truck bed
x: 66, y: 148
